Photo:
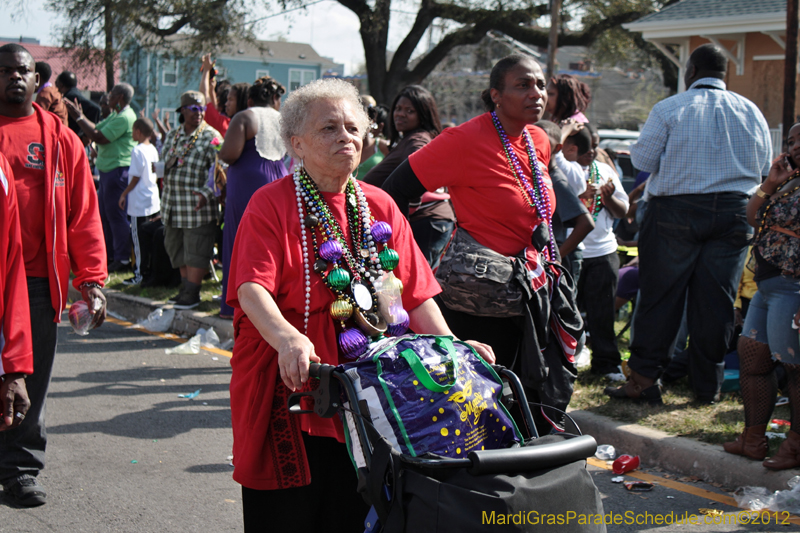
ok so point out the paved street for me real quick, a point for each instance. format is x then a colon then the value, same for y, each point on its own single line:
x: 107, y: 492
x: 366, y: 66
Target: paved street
x: 126, y: 454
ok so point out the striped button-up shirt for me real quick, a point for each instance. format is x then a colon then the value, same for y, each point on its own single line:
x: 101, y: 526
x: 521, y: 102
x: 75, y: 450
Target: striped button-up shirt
x: 188, y: 176
x: 704, y: 141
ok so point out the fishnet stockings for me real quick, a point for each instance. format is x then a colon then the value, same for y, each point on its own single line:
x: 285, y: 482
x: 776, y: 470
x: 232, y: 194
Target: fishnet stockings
x: 758, y: 382
x: 793, y: 375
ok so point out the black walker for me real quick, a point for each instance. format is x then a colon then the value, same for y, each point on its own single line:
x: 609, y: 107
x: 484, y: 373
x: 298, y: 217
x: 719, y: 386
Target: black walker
x: 542, y: 485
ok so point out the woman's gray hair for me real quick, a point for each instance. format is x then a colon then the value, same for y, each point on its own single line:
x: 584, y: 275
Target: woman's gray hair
x: 124, y: 89
x: 295, y: 109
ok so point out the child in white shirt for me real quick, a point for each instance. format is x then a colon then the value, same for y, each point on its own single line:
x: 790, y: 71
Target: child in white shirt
x: 141, y: 195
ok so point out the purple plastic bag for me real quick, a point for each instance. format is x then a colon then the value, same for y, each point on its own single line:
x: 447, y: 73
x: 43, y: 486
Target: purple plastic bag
x: 415, y: 402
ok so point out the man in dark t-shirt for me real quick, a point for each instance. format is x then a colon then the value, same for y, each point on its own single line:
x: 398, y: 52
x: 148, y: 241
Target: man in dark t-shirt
x: 67, y: 84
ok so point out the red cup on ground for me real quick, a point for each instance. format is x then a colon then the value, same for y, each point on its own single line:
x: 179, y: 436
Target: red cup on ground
x: 625, y: 463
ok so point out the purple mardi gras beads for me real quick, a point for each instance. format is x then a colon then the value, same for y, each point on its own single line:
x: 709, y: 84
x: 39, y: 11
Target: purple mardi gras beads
x: 331, y: 250
x: 401, y: 325
x: 353, y: 343
x: 381, y: 231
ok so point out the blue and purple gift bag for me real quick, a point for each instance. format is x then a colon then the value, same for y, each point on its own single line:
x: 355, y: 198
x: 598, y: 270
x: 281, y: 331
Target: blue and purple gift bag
x: 429, y: 394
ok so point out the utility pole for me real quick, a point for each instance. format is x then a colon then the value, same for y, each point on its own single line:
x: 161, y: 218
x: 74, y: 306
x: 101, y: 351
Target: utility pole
x: 790, y: 69
x: 552, y: 43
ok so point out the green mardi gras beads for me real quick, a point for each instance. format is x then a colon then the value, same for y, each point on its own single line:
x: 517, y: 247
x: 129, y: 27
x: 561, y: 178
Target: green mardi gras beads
x: 339, y: 278
x: 388, y: 258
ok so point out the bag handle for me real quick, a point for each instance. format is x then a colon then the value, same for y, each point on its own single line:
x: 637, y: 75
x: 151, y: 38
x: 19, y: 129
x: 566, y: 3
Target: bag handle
x: 421, y: 372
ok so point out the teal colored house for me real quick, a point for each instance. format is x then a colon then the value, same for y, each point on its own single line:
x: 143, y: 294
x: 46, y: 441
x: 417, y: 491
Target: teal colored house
x: 159, y: 80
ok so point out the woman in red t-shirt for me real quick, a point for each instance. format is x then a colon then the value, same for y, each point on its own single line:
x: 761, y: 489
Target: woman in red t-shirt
x: 495, y: 168
x: 307, y: 252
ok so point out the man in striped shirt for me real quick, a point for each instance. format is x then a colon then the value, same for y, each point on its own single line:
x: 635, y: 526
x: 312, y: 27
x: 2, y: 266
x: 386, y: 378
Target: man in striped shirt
x: 708, y: 149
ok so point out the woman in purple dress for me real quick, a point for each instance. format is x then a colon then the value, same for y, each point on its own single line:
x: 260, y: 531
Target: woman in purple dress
x: 254, y: 149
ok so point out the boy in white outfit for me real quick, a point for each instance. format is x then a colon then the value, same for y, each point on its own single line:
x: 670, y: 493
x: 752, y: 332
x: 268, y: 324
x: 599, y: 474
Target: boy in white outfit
x: 141, y: 195
x: 606, y: 200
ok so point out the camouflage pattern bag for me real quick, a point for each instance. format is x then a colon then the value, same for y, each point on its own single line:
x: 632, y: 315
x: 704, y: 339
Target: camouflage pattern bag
x: 479, y: 281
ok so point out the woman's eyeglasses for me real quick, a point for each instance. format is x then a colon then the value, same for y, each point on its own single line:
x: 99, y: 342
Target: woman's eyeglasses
x: 195, y: 108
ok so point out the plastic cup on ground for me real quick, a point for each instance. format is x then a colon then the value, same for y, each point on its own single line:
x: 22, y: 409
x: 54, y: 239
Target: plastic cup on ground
x: 625, y: 463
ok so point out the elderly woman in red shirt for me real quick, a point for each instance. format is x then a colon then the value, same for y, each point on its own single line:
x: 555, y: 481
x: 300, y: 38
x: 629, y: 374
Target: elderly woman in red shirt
x: 309, y: 250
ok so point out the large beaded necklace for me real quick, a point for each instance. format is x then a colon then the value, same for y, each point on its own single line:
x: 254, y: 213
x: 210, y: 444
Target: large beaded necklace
x: 594, y: 178
x: 354, y: 270
x: 535, y: 194
x: 186, y: 147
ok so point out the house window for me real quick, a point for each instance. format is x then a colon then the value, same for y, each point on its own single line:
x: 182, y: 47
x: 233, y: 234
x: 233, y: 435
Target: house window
x: 169, y: 76
x: 261, y: 73
x: 299, y: 77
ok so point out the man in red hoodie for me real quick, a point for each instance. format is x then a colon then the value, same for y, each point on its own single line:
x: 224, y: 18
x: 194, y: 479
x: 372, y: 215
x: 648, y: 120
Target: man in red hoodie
x: 16, y: 353
x: 61, y: 232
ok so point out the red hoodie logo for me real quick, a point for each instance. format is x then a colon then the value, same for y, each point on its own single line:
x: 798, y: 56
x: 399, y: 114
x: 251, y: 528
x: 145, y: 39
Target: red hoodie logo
x: 36, y: 157
x: 59, y: 179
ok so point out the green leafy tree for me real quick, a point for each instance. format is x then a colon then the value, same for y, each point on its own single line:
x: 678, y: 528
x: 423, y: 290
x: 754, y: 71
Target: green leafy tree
x: 97, y: 30
x: 473, y: 20
x: 619, y: 47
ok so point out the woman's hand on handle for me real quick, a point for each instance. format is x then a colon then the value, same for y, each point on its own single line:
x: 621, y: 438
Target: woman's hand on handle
x: 484, y: 350
x: 295, y: 354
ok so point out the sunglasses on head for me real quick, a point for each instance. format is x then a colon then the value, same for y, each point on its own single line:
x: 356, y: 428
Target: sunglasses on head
x: 195, y: 108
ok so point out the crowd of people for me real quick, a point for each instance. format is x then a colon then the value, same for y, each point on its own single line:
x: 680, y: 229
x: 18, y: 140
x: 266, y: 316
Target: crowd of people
x: 504, y: 230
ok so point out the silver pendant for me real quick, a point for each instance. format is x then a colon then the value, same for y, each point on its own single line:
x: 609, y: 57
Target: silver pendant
x: 361, y: 295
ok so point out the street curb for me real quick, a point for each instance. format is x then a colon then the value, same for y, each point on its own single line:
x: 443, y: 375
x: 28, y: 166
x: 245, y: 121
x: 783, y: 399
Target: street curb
x: 681, y: 455
x: 185, y: 323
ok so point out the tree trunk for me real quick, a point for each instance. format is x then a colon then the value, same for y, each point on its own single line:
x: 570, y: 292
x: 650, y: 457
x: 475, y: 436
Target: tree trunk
x: 552, y: 44
x: 108, y: 52
x: 790, y: 68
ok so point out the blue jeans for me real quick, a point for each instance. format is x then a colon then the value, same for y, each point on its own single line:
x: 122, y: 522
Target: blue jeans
x: 22, y: 448
x: 691, y: 251
x: 769, y: 318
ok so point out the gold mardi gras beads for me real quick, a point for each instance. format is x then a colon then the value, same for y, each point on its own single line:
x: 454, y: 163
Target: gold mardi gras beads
x: 341, y: 309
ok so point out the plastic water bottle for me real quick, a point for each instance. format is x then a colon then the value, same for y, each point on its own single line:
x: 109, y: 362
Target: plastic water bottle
x: 605, y: 452
x: 80, y: 318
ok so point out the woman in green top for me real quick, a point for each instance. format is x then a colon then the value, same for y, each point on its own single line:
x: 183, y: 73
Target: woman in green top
x: 371, y: 154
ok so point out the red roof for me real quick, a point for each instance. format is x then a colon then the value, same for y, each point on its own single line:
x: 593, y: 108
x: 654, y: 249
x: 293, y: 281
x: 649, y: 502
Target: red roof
x: 59, y: 59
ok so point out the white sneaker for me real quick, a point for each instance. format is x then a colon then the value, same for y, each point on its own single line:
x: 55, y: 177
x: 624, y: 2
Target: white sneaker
x: 616, y: 376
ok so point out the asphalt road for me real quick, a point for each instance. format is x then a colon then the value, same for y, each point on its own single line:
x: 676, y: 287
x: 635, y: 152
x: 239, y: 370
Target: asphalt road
x: 126, y: 454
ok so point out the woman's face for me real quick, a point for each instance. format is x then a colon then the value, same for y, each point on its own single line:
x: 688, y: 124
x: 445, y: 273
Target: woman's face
x: 552, y: 99
x: 230, y: 103
x: 330, y: 145
x: 405, y: 116
x: 524, y: 95
x: 793, y: 145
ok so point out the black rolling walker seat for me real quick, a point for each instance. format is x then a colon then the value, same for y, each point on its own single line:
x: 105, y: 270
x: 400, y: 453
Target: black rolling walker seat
x: 541, y: 485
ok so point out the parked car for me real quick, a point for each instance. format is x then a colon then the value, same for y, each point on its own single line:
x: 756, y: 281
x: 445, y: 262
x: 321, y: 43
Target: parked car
x: 620, y: 142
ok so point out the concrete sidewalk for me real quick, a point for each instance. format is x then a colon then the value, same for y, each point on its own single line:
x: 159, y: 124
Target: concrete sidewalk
x: 656, y: 449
